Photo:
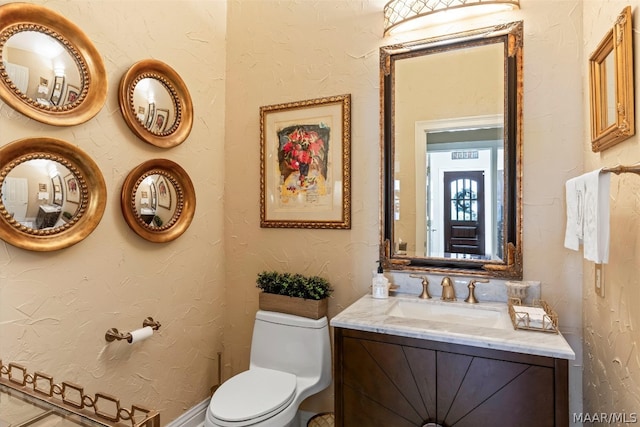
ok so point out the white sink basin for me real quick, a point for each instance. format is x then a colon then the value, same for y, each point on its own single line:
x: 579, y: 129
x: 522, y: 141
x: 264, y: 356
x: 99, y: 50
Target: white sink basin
x: 452, y: 312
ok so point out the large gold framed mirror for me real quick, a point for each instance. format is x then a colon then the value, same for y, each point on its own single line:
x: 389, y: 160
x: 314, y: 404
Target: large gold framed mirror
x: 158, y: 200
x: 452, y: 153
x: 50, y: 70
x: 611, y: 85
x: 156, y: 104
x: 52, y: 194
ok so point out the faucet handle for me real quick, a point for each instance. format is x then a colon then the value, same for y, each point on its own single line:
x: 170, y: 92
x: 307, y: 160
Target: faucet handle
x: 471, y: 298
x: 425, y: 286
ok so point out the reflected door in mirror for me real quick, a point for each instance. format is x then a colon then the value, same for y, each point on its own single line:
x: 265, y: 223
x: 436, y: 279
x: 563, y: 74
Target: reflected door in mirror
x: 464, y: 213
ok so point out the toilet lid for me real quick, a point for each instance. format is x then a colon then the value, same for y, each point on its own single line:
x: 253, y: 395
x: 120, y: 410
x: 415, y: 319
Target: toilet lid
x: 255, y: 393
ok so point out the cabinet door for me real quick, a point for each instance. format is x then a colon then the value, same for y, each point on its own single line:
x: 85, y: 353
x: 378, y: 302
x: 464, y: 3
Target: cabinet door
x: 387, y: 385
x: 475, y: 391
x: 388, y: 381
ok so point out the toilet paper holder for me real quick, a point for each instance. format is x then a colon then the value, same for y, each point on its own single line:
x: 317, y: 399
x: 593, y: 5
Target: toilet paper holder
x: 113, y: 334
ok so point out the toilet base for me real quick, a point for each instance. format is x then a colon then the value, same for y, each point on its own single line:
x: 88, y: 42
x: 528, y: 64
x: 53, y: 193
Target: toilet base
x: 285, y: 418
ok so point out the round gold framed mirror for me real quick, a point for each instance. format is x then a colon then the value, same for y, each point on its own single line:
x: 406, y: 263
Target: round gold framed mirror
x: 50, y: 70
x: 52, y: 194
x: 156, y: 104
x: 158, y: 200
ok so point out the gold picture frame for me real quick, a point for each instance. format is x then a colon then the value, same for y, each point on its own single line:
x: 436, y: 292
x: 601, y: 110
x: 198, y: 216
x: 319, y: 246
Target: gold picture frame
x: 305, y: 164
x: 611, y: 85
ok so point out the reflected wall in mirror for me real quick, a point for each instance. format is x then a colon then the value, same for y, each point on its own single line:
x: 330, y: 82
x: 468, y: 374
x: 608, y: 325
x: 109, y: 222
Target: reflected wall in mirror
x: 611, y: 86
x: 156, y: 104
x: 52, y: 194
x: 50, y: 70
x: 452, y: 144
x: 158, y: 200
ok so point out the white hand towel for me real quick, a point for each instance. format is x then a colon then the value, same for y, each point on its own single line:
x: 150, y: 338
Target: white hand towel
x: 595, y: 237
x: 587, y: 198
x: 574, y: 197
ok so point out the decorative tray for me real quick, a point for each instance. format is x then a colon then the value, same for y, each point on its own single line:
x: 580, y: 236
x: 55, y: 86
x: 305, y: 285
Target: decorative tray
x: 536, y: 317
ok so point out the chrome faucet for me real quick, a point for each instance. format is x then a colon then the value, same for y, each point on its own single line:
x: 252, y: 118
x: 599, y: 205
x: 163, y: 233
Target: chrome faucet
x: 448, y: 291
x: 471, y: 298
x: 425, y: 286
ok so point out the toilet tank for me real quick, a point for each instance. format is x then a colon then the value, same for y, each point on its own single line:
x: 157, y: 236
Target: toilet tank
x: 294, y: 344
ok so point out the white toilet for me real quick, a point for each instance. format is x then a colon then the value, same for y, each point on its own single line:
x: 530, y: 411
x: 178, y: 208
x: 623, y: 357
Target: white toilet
x: 290, y: 361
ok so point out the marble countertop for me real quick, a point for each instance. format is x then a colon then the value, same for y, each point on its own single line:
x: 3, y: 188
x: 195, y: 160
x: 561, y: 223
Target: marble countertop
x: 369, y: 314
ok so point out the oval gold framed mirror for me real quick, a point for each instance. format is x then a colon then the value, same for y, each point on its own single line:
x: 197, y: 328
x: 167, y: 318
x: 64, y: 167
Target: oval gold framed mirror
x: 50, y: 70
x: 52, y: 194
x: 158, y: 200
x: 156, y: 104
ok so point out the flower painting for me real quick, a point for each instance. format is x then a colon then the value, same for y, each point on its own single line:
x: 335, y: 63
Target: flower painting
x: 302, y: 156
x: 305, y: 164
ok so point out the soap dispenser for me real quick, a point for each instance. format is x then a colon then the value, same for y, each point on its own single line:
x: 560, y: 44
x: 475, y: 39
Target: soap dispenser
x: 380, y: 284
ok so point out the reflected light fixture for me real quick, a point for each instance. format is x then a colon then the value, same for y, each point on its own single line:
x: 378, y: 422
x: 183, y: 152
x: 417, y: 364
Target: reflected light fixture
x: 412, y: 14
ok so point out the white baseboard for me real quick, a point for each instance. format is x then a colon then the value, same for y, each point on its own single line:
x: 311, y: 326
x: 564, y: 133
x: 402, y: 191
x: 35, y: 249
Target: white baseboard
x: 194, y: 417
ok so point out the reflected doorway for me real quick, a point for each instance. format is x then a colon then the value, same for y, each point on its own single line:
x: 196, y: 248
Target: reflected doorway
x: 464, y: 213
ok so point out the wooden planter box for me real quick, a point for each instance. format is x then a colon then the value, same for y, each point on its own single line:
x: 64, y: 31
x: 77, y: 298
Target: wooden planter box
x: 314, y: 309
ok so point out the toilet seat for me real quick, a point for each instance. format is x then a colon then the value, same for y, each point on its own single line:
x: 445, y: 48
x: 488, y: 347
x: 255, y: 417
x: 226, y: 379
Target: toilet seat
x: 252, y: 396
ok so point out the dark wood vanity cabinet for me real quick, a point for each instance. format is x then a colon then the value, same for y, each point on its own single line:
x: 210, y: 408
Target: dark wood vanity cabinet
x: 47, y: 216
x: 391, y: 381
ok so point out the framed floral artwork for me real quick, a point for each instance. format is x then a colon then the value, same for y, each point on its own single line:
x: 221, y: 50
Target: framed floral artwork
x: 160, y: 121
x: 164, y: 193
x: 73, y: 93
x: 305, y: 164
x: 73, y: 189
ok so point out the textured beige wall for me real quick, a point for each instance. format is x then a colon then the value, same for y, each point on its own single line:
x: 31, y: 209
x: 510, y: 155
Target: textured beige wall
x: 289, y: 51
x: 55, y: 307
x: 612, y: 362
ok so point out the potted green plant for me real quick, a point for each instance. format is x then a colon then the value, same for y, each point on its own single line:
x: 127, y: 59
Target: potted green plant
x: 296, y: 294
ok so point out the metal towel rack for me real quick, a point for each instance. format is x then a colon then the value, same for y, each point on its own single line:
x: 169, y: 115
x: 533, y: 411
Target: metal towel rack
x: 623, y: 169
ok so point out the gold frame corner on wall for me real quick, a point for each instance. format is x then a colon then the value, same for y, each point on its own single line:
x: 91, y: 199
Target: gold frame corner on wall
x: 305, y: 164
x: 178, y: 132
x: 87, y: 179
x: 185, y: 200
x: 611, y: 85
x: 88, y: 100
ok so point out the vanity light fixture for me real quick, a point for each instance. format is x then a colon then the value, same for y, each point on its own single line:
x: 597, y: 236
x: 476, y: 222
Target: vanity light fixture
x: 412, y: 13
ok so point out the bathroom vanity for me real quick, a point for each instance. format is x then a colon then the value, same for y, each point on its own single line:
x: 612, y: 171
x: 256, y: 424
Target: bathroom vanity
x: 410, y: 362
